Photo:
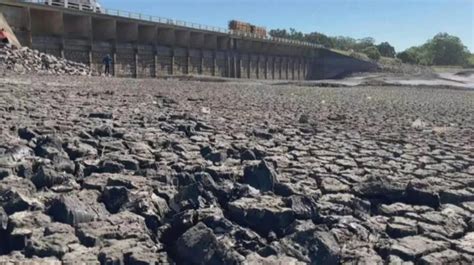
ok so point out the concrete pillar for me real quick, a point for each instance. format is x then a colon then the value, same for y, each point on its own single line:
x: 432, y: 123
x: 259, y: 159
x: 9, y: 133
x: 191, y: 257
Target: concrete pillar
x: 61, y: 47
x: 91, y: 44
x: 258, y: 67
x: 234, y: 59
x: 29, y: 37
x: 201, y: 63
x: 249, y: 64
x: 287, y: 68
x: 90, y: 57
x: 266, y: 67
x: 299, y: 69
x: 155, y: 62
x: 214, y: 63
x: 114, y: 59
x: 172, y: 62
x: 238, y: 65
x: 188, y: 61
x: 135, y: 50
x: 280, y: 72
x: 292, y: 69
x: 228, y: 71
x: 304, y: 69
x: 273, y: 67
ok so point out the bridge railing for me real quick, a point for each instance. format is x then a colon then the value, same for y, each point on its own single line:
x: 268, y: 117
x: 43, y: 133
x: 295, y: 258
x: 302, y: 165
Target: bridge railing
x: 138, y: 16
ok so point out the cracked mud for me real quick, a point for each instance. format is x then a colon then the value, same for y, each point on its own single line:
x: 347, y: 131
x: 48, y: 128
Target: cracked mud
x: 122, y: 171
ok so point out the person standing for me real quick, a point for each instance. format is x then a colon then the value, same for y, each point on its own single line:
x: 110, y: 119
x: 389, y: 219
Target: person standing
x: 107, y: 61
x: 44, y: 62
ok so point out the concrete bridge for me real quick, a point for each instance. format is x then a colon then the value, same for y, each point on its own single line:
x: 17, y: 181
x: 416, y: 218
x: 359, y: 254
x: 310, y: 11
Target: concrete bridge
x: 144, y: 46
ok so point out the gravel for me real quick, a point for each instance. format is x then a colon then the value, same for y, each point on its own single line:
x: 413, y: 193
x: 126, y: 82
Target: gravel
x: 123, y: 171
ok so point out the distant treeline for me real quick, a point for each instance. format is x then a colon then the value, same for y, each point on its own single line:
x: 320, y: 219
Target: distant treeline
x: 443, y: 49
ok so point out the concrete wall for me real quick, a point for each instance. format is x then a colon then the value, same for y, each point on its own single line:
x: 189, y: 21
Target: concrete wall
x: 104, y: 29
x: 77, y: 27
x: 46, y: 23
x: 147, y: 34
x: 330, y: 65
x: 146, y: 49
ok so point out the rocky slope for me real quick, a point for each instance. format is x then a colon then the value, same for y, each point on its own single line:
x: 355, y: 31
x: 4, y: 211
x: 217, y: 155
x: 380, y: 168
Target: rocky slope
x: 28, y: 61
x: 121, y: 171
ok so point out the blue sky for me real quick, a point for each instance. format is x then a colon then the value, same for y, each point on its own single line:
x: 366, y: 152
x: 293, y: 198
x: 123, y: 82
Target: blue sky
x: 403, y: 23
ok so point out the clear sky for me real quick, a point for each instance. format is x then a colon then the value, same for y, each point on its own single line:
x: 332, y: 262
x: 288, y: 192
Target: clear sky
x: 403, y: 23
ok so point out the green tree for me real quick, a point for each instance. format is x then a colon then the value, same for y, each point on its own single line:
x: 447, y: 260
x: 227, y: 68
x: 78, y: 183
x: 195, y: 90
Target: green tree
x: 470, y: 61
x: 407, y: 57
x: 386, y: 49
x: 296, y: 35
x: 279, y: 33
x: 363, y: 44
x: 319, y: 38
x: 372, y: 52
x: 344, y: 43
x: 445, y: 49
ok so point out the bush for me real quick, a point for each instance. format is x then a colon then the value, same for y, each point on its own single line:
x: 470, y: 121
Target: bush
x: 470, y: 61
x: 386, y: 49
x: 443, y: 49
x: 407, y: 57
x: 360, y: 56
x: 372, y: 52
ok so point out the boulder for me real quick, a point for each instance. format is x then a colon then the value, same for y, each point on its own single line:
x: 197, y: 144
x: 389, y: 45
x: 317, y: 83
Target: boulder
x: 15, y: 156
x: 444, y: 257
x: 263, y: 214
x: 76, y: 149
x: 54, y: 242
x: 124, y: 225
x: 413, y: 247
x: 314, y: 244
x: 262, y: 176
x: 199, y: 245
x: 23, y: 226
x: 304, y: 207
x: 16, y: 195
x: 401, y: 227
x: 49, y: 147
x: 81, y: 255
x: 48, y: 177
x: 131, y: 251
x: 76, y: 208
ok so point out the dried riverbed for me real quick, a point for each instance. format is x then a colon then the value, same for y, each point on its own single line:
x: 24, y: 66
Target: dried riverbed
x: 123, y: 171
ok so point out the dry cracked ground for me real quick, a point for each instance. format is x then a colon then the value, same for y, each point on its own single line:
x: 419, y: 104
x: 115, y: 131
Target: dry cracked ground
x: 122, y: 171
